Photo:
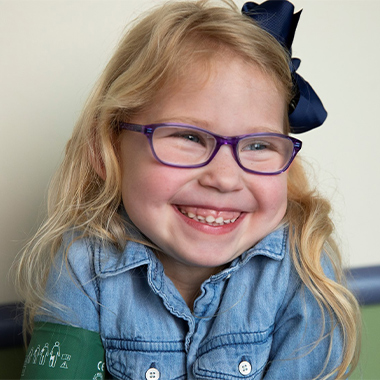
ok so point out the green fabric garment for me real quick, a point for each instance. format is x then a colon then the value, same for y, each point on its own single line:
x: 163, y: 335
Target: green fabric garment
x: 63, y: 352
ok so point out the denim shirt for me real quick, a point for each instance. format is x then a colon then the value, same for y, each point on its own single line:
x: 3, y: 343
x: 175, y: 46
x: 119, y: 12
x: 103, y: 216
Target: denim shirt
x: 253, y: 320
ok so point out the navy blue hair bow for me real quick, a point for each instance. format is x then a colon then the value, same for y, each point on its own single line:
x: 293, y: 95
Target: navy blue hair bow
x: 306, y: 110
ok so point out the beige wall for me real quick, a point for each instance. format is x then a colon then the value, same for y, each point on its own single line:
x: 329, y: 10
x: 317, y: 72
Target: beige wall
x: 53, y: 51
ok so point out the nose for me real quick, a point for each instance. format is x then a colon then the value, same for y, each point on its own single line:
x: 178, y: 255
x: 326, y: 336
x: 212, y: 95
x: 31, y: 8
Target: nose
x: 222, y: 173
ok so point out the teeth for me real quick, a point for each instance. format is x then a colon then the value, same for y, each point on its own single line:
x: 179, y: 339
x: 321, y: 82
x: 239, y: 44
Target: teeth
x: 211, y: 220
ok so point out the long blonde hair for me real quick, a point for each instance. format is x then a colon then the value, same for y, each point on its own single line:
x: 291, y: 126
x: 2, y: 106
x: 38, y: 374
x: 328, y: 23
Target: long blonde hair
x: 85, y: 193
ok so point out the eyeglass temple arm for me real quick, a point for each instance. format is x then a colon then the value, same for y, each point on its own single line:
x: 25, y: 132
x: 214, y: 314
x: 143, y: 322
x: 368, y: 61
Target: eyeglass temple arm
x: 132, y: 127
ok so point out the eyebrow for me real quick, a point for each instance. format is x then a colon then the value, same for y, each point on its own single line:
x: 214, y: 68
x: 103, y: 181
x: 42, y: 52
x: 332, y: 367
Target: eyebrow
x: 206, y: 125
x: 185, y: 120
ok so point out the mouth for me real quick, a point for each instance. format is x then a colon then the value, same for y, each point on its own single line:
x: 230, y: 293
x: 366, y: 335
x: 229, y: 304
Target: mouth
x: 210, y: 217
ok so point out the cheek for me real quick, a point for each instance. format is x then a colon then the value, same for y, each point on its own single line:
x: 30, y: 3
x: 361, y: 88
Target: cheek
x: 138, y: 184
x: 136, y: 161
x: 272, y: 195
x: 147, y: 186
x: 147, y: 193
x: 281, y: 193
x: 138, y: 193
x: 132, y: 159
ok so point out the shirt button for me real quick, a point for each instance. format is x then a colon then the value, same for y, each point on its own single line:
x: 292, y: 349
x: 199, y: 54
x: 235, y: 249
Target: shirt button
x: 245, y: 368
x: 152, y: 373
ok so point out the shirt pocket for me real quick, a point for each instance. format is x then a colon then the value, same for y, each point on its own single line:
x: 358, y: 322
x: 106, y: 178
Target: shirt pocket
x: 234, y: 356
x: 131, y: 360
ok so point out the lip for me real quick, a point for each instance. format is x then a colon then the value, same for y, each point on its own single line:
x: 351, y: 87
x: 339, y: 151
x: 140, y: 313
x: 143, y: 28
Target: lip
x: 206, y: 228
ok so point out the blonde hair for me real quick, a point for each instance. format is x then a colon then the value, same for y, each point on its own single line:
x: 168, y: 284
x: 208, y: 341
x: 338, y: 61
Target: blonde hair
x: 85, y: 193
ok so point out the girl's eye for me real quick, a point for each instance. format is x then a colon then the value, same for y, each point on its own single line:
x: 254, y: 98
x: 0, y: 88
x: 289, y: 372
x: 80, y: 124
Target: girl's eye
x: 256, y: 145
x: 190, y: 136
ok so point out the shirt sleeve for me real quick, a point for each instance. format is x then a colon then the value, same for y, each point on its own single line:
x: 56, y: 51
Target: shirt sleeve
x: 71, y: 290
x: 306, y: 344
x: 63, y: 352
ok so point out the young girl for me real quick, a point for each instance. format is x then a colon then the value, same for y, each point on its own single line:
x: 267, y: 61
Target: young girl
x: 183, y: 240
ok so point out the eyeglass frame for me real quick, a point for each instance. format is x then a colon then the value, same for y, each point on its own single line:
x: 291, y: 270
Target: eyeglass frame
x: 149, y: 129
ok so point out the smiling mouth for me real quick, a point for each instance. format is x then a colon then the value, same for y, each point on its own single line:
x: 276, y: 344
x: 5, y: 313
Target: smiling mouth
x: 210, y: 217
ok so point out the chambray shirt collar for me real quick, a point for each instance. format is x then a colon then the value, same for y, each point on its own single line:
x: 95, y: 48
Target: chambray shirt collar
x: 272, y: 246
x: 114, y: 262
x: 136, y: 254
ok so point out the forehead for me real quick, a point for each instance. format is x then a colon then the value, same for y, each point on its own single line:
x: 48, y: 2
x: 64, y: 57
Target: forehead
x: 196, y: 67
x: 220, y: 92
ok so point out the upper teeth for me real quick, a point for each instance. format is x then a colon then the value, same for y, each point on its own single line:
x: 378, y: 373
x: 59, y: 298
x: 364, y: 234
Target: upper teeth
x: 219, y: 221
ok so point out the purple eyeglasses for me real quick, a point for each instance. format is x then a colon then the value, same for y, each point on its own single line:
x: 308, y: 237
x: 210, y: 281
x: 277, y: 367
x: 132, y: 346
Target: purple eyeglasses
x: 185, y: 146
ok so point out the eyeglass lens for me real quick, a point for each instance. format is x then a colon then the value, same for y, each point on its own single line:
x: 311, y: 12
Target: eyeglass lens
x: 187, y: 147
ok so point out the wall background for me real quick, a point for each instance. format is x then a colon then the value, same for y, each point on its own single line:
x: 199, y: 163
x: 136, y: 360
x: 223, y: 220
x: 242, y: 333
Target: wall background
x: 51, y: 53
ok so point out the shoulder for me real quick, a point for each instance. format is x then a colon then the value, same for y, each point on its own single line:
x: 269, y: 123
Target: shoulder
x: 71, y: 293
x: 303, y: 274
x: 304, y: 324
x: 78, y: 253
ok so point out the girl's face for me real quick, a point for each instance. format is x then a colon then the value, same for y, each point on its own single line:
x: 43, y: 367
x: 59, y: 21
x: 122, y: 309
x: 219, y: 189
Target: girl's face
x: 235, y: 99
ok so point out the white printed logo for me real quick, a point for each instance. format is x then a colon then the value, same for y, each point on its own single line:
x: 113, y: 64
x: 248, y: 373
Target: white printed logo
x: 54, y: 353
x: 66, y: 358
x: 44, y: 354
x: 38, y: 356
x: 101, y: 366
